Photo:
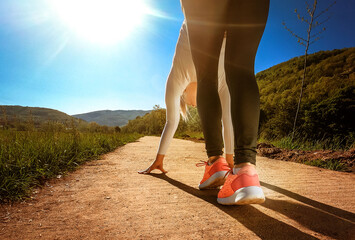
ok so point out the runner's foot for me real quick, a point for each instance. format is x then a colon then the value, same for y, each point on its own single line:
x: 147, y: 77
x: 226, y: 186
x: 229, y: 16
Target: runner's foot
x: 241, y: 188
x: 215, y: 173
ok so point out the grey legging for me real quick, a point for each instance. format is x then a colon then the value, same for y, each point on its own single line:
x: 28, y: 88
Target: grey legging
x: 244, y: 22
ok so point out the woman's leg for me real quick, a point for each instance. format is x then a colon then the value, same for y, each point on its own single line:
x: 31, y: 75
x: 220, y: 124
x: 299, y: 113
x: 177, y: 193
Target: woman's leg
x: 205, y: 28
x: 246, y: 23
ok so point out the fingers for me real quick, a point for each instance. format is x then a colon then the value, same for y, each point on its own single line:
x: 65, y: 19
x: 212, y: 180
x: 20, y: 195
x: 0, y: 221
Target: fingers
x: 148, y: 170
x: 162, y: 170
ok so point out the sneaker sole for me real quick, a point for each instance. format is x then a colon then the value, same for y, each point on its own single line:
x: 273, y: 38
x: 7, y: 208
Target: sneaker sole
x: 244, y: 196
x: 216, y: 180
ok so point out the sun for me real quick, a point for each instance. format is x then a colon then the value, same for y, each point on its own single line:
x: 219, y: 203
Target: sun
x: 101, y: 21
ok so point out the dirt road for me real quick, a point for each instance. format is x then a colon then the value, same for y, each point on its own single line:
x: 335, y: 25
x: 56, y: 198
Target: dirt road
x: 107, y: 199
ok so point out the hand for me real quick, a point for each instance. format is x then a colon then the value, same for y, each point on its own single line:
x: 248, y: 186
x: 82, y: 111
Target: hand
x: 157, y: 164
x: 152, y: 167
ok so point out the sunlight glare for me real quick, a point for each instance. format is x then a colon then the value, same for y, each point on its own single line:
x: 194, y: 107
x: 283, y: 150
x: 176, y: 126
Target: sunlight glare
x: 102, y: 21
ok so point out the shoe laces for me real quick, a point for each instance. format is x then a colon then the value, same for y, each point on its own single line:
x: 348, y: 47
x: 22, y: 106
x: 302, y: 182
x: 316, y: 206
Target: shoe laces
x: 228, y: 172
x: 202, y: 164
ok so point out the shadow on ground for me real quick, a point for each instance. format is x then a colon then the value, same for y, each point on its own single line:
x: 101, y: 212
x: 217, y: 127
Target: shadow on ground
x: 319, y: 217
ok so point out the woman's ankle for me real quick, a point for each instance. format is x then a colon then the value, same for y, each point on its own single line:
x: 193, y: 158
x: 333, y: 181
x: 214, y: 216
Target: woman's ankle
x: 240, y: 165
x: 212, y: 159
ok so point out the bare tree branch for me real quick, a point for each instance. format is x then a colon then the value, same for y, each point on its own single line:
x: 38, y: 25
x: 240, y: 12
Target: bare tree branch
x: 325, y: 10
x: 321, y: 23
x: 308, y: 8
x: 302, y: 18
x: 293, y: 33
x: 318, y: 33
x: 315, y: 40
x: 303, y: 44
x: 305, y: 20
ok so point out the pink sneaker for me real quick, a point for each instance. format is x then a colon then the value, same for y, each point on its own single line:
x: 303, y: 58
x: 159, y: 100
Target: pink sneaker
x: 241, y: 188
x: 215, y: 174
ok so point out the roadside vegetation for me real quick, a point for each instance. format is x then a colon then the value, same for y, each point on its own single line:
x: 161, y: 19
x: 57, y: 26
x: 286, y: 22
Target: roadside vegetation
x: 30, y: 157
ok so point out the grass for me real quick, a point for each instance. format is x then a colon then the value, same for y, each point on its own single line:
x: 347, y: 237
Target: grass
x: 29, y: 158
x: 198, y: 136
x: 299, y: 144
x: 331, y: 164
x: 302, y: 143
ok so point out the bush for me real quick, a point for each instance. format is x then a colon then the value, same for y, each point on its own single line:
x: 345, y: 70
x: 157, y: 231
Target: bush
x: 153, y: 123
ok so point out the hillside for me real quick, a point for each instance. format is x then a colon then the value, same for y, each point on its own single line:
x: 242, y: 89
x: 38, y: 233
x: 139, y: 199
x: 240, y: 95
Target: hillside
x: 328, y: 104
x: 13, y: 114
x: 111, y: 118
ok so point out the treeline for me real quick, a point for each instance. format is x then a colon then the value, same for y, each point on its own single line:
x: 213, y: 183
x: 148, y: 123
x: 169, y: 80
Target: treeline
x: 153, y: 123
x: 327, y: 108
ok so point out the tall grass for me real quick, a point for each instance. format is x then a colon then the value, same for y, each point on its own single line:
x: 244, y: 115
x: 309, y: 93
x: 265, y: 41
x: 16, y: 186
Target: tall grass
x: 331, y: 164
x: 304, y: 143
x: 189, y: 135
x: 29, y: 158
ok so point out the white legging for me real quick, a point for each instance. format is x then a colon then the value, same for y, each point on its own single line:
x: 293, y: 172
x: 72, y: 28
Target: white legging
x: 181, y: 75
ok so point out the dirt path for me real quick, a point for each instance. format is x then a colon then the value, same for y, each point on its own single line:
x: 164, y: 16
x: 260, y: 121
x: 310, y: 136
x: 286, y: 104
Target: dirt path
x: 107, y: 199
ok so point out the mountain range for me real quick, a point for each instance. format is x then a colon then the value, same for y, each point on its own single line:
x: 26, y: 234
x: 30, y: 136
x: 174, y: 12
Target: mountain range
x: 111, y: 118
x: 39, y: 115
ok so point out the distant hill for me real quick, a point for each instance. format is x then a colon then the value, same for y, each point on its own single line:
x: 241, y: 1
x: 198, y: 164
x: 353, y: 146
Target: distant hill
x: 36, y: 114
x: 42, y: 115
x: 111, y: 118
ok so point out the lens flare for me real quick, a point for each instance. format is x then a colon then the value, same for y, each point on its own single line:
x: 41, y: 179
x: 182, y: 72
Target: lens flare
x: 102, y: 21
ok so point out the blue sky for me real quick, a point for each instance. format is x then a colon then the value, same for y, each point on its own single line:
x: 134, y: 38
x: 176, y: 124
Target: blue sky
x: 44, y: 63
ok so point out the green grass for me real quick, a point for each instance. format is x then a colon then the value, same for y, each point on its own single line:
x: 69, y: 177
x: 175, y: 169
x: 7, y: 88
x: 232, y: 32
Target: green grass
x: 302, y: 143
x: 190, y: 135
x: 28, y: 159
x: 331, y: 164
x: 298, y: 144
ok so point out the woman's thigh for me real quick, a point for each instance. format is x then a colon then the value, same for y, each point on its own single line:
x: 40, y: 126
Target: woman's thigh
x: 245, y: 26
x: 206, y: 26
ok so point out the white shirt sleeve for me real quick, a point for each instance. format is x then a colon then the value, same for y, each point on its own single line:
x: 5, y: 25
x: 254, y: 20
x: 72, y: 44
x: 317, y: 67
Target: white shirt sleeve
x: 224, y: 96
x: 181, y: 74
